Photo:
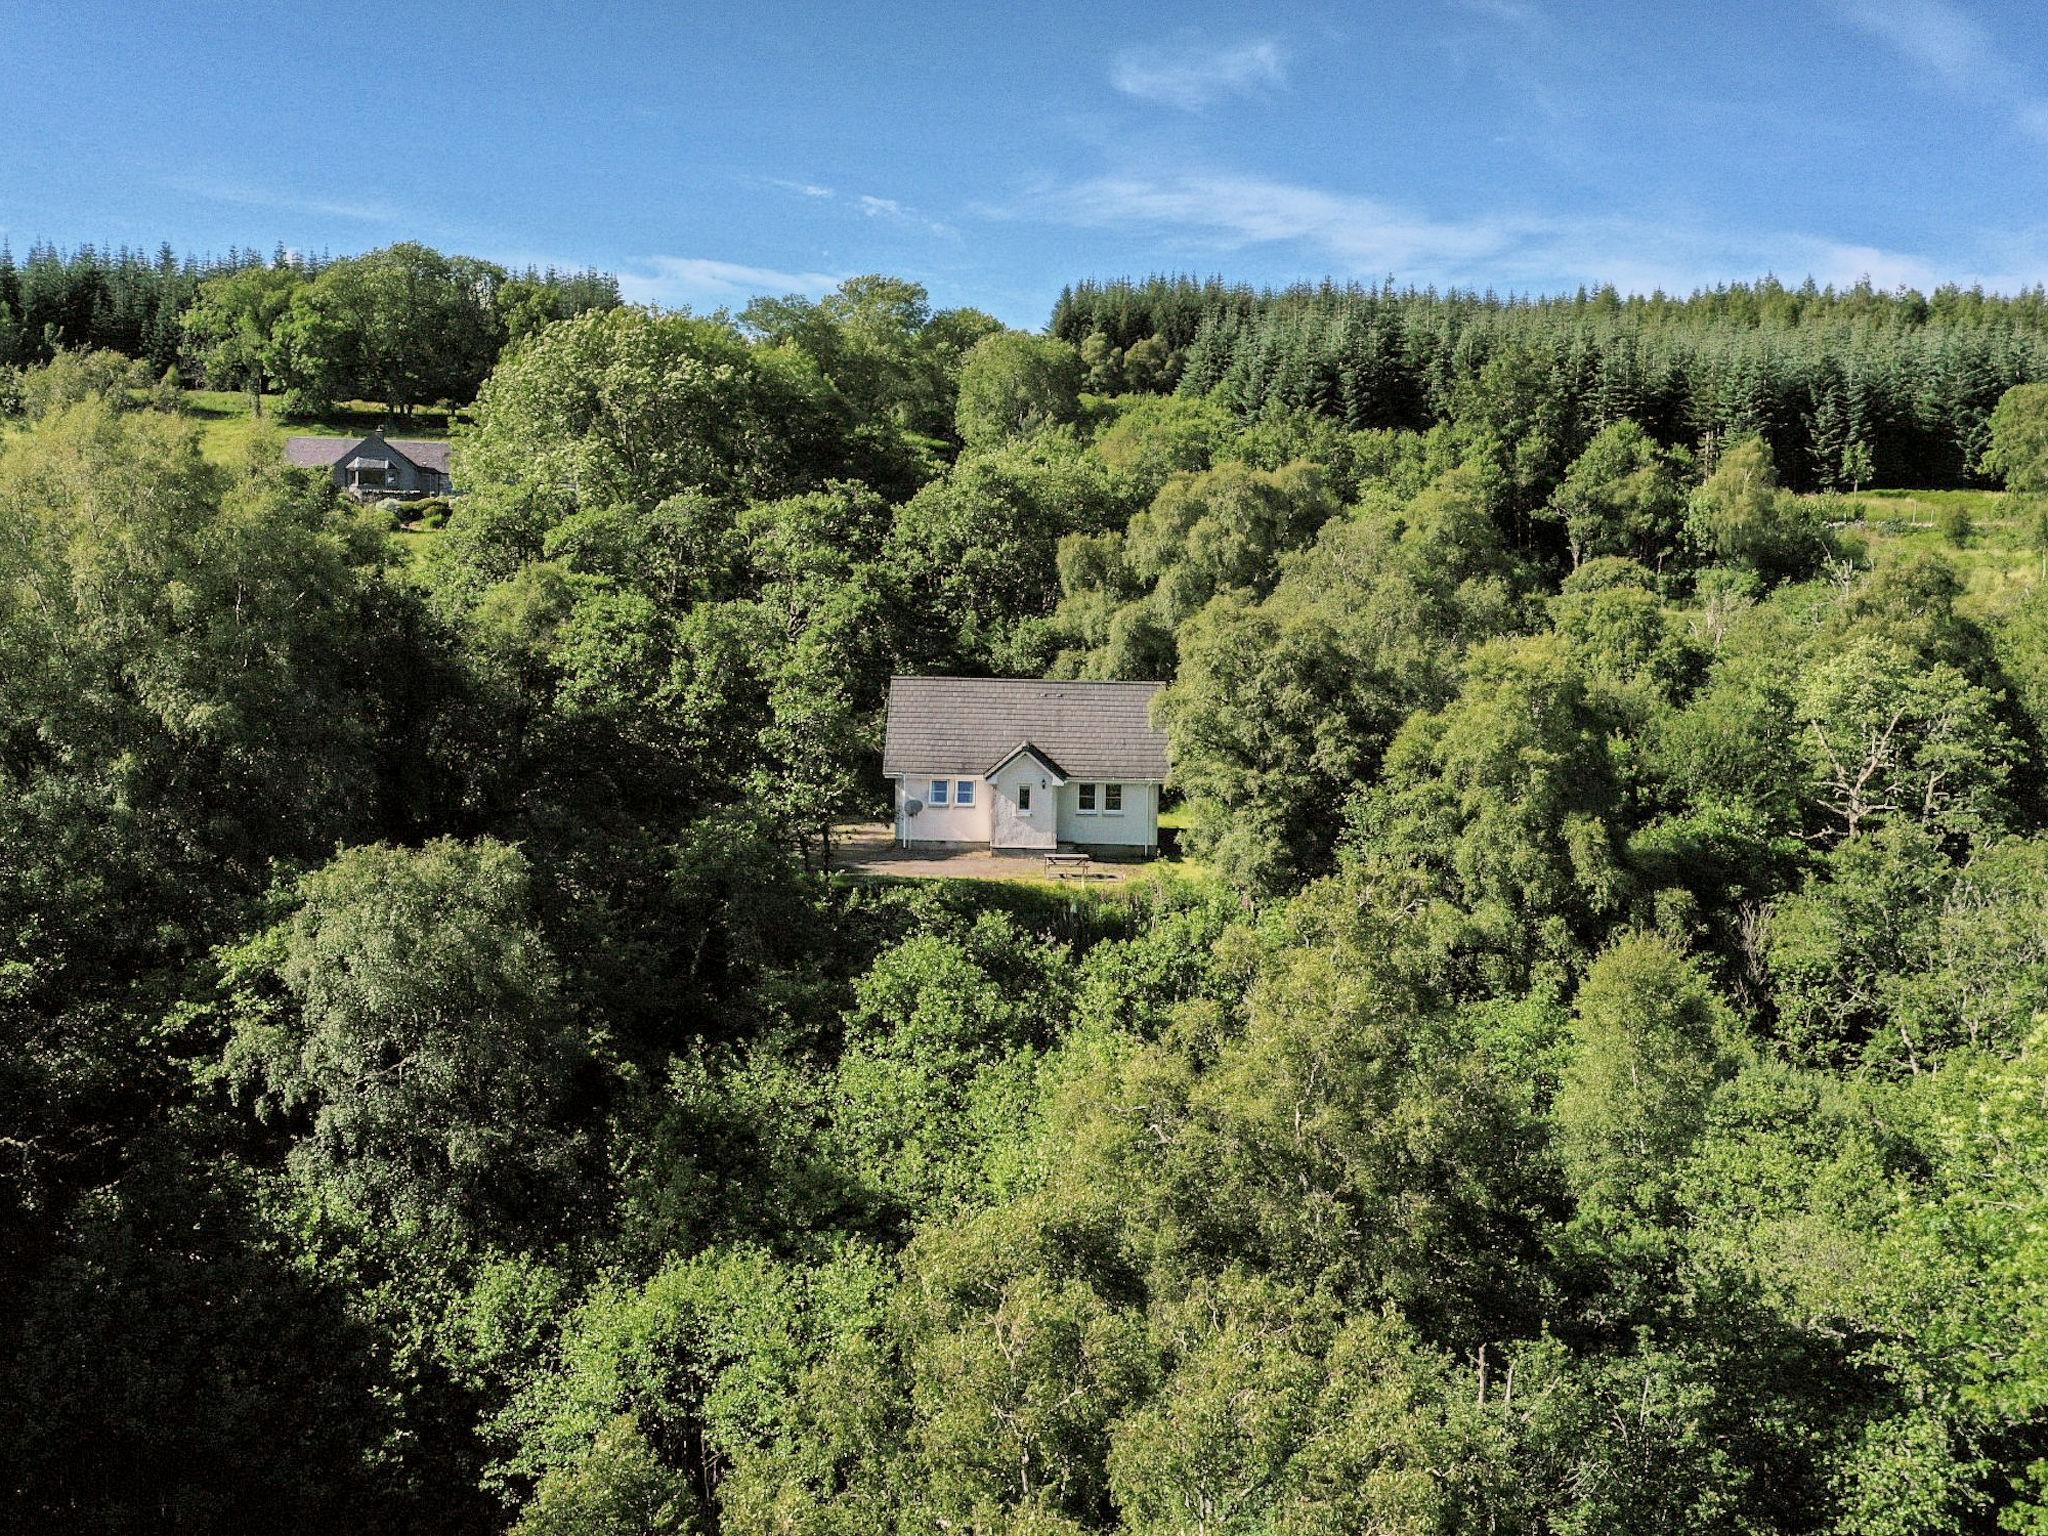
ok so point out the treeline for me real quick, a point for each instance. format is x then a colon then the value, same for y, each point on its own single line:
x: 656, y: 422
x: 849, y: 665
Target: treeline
x: 1849, y: 387
x: 400, y: 325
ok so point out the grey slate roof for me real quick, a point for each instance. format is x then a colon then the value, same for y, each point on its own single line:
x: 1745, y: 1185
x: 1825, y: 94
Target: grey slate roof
x: 324, y: 452
x: 969, y: 725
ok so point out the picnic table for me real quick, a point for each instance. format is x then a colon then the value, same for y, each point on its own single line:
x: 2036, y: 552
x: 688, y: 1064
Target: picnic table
x: 1064, y: 864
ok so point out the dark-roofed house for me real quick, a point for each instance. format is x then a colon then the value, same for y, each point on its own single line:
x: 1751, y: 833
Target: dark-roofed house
x: 374, y: 467
x: 1016, y: 763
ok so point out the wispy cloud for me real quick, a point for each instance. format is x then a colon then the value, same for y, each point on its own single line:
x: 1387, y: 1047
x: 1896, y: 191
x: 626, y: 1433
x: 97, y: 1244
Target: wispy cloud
x: 1231, y: 212
x: 868, y: 205
x: 245, y: 195
x: 1520, y: 14
x: 1955, y: 46
x: 1198, y: 214
x: 1192, y: 78
x: 891, y: 211
x: 696, y: 280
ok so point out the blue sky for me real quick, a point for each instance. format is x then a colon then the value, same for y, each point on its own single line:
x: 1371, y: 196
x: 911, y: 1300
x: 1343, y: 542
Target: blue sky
x: 707, y: 153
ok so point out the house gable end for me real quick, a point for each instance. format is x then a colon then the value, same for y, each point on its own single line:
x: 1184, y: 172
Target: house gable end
x: 1026, y: 749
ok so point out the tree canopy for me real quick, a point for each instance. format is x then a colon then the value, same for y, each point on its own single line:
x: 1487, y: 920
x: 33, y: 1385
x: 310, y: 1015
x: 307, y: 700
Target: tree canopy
x: 1581, y: 1070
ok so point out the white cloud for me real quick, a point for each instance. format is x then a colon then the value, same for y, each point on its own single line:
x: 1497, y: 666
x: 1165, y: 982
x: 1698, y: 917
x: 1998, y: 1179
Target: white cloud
x: 246, y: 195
x: 896, y: 213
x: 1954, y: 45
x: 1227, y: 212
x: 1193, y: 215
x: 1938, y: 36
x: 1193, y: 78
x: 698, y: 280
x: 801, y: 188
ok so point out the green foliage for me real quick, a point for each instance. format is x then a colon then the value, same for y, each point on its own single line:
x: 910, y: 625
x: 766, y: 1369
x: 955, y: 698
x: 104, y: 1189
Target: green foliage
x: 405, y: 325
x: 422, y: 1040
x: 1280, y: 707
x: 881, y: 346
x: 72, y: 378
x: 1889, y: 736
x: 938, y: 1057
x: 1956, y: 525
x: 626, y: 408
x: 1648, y: 1037
x: 1504, y: 804
x: 232, y: 328
x: 1588, y: 1077
x: 1743, y: 516
x: 1012, y: 384
x: 1623, y: 496
x: 2018, y: 451
x: 1852, y: 386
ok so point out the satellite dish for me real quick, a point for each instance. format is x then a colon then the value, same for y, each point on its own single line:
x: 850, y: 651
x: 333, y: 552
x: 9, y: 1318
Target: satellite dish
x: 912, y: 807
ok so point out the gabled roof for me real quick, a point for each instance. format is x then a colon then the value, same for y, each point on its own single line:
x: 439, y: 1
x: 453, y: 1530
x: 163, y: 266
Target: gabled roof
x: 1021, y: 749
x: 963, y: 724
x: 325, y: 452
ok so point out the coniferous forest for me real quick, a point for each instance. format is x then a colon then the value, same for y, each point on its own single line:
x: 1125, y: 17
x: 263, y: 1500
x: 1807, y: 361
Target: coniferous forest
x: 1585, y: 1070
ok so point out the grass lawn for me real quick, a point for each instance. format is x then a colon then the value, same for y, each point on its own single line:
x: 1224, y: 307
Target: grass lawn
x: 227, y: 426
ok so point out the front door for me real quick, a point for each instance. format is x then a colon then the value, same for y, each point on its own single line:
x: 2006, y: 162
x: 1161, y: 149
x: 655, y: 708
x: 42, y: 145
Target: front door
x: 1024, y: 814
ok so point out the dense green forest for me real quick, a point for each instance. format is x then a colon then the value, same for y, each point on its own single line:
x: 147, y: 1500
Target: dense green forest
x: 401, y: 325
x: 1588, y: 1073
x: 1850, y: 388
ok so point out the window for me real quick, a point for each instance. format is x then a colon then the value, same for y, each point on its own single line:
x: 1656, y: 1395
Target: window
x: 1023, y: 797
x: 938, y: 794
x: 1087, y: 799
x: 1113, y: 799
x: 963, y: 792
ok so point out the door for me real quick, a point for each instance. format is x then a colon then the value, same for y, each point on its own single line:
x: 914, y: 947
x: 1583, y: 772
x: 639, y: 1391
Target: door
x: 1023, y: 812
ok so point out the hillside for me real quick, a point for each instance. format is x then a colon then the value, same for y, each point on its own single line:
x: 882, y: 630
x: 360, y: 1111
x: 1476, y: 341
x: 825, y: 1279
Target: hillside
x: 1586, y: 1073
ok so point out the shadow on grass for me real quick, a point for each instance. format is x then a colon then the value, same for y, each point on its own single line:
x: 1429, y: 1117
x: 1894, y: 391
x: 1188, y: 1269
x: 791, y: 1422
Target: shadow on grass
x: 351, y: 418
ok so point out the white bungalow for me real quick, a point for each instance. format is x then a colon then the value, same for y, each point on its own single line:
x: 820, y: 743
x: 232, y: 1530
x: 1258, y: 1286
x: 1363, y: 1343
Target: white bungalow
x: 1025, y: 765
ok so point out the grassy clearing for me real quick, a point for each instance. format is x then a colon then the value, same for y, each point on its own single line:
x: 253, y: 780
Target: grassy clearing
x: 228, y: 426
x: 1997, y: 561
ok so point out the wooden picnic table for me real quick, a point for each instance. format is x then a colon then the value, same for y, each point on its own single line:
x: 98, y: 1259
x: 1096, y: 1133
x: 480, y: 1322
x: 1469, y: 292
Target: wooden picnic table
x: 1063, y: 864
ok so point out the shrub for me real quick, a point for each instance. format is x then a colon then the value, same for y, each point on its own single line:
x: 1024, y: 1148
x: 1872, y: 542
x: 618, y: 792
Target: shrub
x: 1956, y: 525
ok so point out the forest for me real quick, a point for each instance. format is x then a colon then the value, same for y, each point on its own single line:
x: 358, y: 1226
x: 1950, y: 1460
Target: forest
x: 1587, y: 1070
x: 403, y: 325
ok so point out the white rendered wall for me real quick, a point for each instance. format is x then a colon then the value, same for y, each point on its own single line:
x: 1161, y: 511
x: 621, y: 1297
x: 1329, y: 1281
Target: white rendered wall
x: 947, y: 823
x: 1136, y: 826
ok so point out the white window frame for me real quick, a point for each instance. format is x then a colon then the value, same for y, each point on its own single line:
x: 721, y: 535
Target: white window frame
x: 963, y: 792
x: 1023, y: 797
x: 1084, y: 800
x: 1112, y: 799
x: 941, y: 791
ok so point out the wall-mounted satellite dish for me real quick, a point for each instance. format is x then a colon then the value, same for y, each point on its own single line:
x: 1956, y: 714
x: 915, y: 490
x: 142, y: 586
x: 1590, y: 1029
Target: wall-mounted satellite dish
x: 912, y: 807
